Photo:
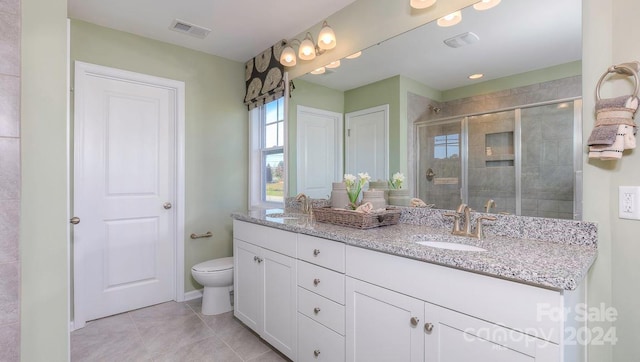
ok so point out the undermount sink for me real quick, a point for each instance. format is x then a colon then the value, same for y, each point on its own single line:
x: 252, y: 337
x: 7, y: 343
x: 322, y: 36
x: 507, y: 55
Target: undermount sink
x: 444, y: 242
x: 450, y: 246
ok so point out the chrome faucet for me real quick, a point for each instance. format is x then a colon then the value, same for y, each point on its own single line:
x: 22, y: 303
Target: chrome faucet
x: 306, y: 203
x: 490, y: 203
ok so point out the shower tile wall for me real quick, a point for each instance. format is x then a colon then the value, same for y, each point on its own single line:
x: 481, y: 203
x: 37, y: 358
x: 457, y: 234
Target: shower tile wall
x: 492, y: 172
x: 9, y: 179
x: 547, y: 161
x: 547, y: 173
x: 541, y: 92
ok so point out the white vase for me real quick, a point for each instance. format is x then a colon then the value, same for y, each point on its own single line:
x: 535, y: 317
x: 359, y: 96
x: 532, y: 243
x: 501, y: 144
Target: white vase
x: 375, y: 197
x: 399, y: 197
x: 339, y: 196
x: 380, y: 185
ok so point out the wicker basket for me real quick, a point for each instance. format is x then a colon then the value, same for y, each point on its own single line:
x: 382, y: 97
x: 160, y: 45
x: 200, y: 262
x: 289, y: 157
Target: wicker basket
x: 357, y: 220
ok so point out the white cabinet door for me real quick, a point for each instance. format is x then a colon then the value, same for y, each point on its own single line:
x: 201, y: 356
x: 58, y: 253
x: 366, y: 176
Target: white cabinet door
x: 246, y: 278
x: 382, y: 325
x: 279, y: 302
x: 450, y: 336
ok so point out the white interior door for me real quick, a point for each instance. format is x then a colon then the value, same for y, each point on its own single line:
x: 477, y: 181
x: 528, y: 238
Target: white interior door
x: 126, y: 157
x: 367, y: 145
x: 319, y: 151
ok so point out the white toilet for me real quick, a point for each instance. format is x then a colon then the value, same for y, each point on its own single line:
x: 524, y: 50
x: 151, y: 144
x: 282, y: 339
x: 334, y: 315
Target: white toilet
x: 216, y: 276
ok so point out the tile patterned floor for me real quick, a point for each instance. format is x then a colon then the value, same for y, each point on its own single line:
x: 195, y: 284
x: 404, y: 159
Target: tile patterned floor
x: 170, y: 332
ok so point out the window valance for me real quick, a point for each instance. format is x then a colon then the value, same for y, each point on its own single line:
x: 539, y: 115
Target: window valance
x: 264, y: 77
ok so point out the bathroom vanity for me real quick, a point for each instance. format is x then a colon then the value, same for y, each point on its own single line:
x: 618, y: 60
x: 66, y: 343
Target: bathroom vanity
x: 322, y: 292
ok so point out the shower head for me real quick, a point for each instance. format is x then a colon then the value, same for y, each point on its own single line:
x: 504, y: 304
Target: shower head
x: 434, y: 109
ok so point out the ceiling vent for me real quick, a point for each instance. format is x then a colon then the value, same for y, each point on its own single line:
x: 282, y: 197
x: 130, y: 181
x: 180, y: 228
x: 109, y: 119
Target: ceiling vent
x: 461, y: 40
x: 190, y: 29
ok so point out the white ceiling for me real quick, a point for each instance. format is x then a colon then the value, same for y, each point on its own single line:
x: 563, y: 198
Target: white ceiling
x: 241, y: 29
x: 515, y: 37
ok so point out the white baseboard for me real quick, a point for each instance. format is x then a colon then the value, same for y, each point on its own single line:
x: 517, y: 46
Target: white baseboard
x: 194, y: 294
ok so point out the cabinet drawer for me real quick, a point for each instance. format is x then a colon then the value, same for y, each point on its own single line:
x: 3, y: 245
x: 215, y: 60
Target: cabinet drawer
x: 321, y: 310
x: 323, y: 281
x: 280, y: 241
x: 323, y: 252
x: 317, y: 342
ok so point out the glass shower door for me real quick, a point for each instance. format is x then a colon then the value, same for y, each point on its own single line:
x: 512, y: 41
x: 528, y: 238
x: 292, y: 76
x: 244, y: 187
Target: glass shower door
x: 548, y: 161
x: 491, y: 167
x: 439, y: 163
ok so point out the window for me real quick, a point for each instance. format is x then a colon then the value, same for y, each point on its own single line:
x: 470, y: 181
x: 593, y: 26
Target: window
x: 268, y: 173
x: 446, y: 146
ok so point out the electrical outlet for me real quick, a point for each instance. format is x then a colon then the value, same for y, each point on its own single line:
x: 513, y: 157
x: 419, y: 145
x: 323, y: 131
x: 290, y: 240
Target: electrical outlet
x: 629, y: 202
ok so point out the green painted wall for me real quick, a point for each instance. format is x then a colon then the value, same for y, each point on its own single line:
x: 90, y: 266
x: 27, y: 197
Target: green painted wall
x: 386, y: 91
x: 409, y: 85
x: 622, y: 235
x: 216, y: 128
x: 309, y: 95
x: 44, y: 215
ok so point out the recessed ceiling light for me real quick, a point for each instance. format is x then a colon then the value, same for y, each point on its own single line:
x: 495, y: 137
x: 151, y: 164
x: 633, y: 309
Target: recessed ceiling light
x: 451, y: 19
x: 476, y: 76
x: 320, y: 70
x: 354, y: 55
x: 485, y: 4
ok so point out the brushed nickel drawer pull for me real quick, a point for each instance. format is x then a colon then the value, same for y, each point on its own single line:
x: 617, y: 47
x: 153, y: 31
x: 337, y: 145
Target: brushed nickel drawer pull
x: 316, y: 282
x: 316, y: 310
x: 316, y: 252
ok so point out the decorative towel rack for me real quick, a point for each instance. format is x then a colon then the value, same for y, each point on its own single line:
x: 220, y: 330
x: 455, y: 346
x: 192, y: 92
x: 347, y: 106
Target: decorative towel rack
x: 630, y: 69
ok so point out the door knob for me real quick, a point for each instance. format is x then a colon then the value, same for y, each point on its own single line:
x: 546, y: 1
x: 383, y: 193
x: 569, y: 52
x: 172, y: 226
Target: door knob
x: 428, y: 327
x: 167, y: 205
x: 414, y: 321
x: 75, y: 220
x: 316, y: 352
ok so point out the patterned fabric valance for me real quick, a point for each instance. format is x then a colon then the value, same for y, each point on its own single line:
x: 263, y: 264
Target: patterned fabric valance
x: 264, y: 77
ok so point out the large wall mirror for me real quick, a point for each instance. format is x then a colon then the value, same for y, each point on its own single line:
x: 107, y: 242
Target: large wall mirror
x: 512, y: 136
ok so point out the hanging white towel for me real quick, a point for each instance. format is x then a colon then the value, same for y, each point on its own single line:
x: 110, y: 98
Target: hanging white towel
x: 625, y: 140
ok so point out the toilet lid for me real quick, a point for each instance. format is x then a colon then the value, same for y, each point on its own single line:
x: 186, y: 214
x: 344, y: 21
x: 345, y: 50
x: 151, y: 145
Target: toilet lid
x: 214, y: 265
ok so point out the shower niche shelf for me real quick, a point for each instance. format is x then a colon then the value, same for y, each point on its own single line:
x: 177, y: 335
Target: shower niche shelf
x: 499, y: 149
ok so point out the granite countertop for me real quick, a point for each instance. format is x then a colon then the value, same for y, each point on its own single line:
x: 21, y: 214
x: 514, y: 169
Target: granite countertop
x: 551, y: 265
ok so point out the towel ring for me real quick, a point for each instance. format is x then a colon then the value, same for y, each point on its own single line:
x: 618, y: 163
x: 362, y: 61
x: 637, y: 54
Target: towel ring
x: 630, y: 69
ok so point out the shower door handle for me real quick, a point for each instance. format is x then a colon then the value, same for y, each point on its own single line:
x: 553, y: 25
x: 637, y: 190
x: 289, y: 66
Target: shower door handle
x: 430, y: 174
